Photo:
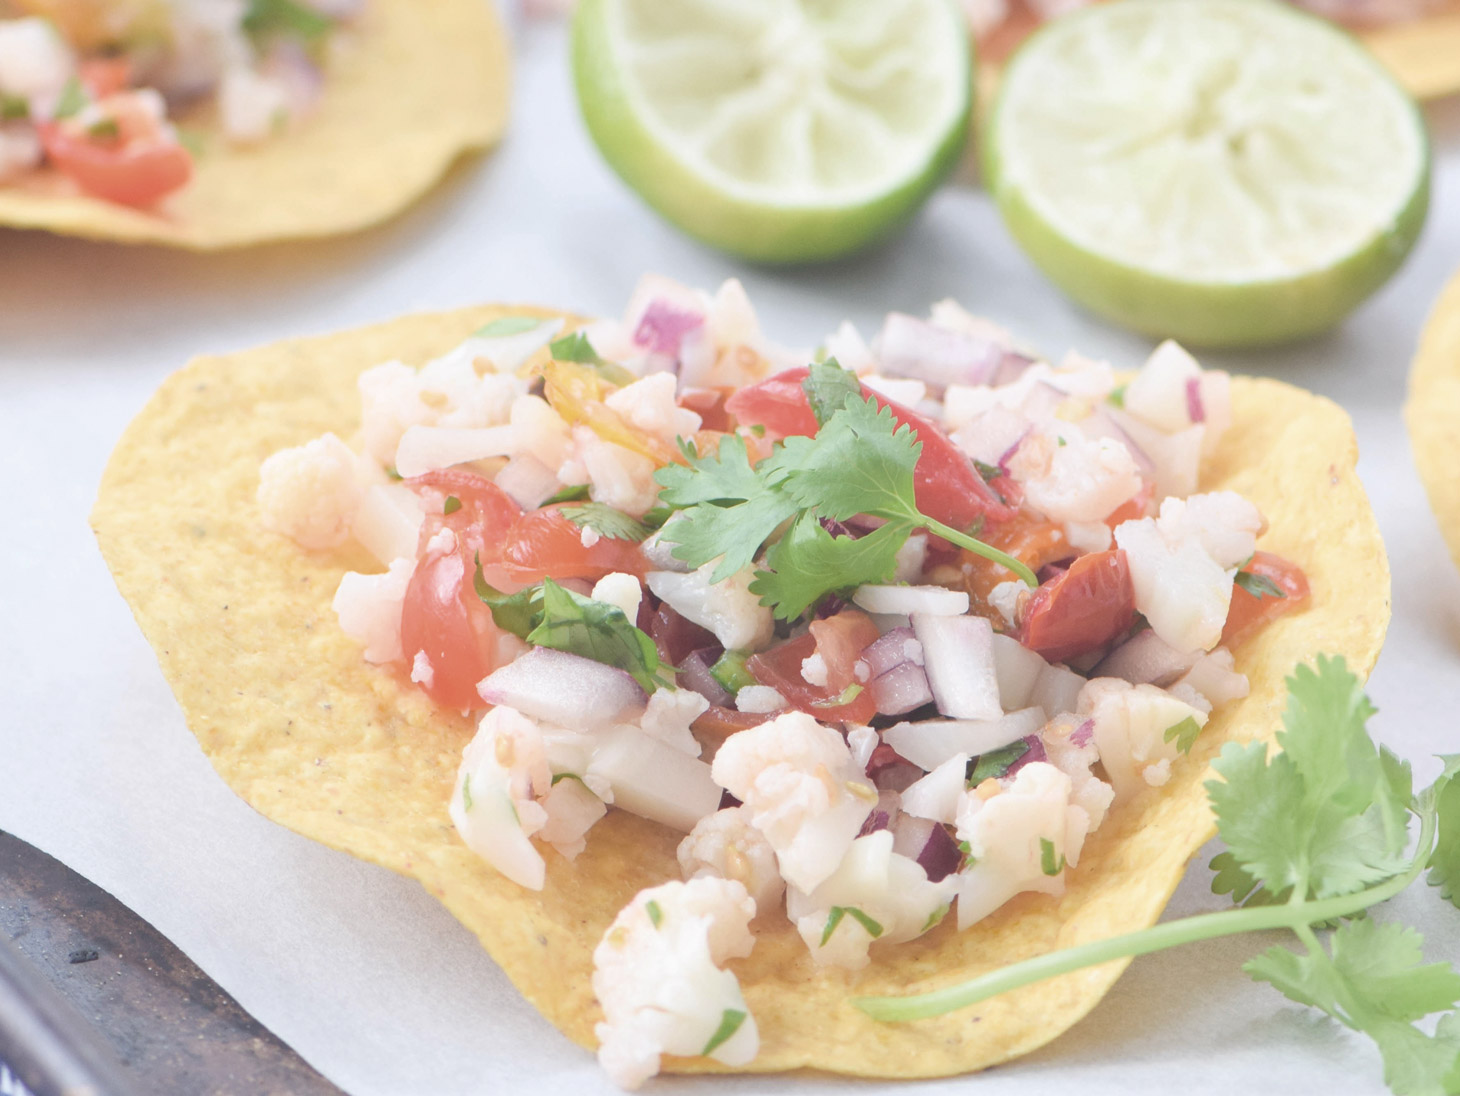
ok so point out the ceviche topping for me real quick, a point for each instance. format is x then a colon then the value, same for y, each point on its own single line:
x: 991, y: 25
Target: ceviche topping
x: 886, y: 636
x: 92, y: 89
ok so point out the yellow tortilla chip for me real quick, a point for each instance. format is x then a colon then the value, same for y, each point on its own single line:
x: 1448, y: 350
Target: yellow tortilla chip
x: 412, y: 85
x: 304, y: 729
x: 1433, y: 412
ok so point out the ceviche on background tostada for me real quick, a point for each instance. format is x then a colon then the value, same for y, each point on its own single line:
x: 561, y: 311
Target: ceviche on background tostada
x: 886, y: 636
x: 92, y: 89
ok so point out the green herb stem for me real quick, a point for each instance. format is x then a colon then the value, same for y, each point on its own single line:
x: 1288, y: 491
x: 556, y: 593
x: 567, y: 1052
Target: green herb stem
x: 979, y: 548
x: 1171, y: 934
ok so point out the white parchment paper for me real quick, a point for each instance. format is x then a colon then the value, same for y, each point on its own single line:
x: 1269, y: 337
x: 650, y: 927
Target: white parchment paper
x: 358, y: 969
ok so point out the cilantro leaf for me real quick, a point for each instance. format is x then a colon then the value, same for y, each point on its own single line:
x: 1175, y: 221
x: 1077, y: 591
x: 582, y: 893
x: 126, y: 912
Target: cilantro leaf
x: 1445, y: 861
x: 575, y: 347
x: 575, y: 493
x: 517, y: 613
x: 656, y: 915
x: 1183, y: 734
x: 1328, y: 814
x: 988, y: 471
x: 285, y: 17
x: 834, y: 918
x: 596, y: 630
x: 730, y: 1021
x: 551, y: 616
x: 808, y: 563
x: 608, y: 522
x: 995, y: 763
x: 13, y: 107
x: 1259, y: 586
x: 1047, y: 862
x: 1372, y: 980
x: 725, y: 477
x: 828, y: 387
x: 506, y: 325
x: 73, y: 99
x: 860, y: 462
x: 732, y: 532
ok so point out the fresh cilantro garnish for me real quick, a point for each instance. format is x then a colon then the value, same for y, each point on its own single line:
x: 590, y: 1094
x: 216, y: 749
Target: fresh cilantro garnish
x: 1259, y: 585
x: 551, y: 616
x: 195, y: 141
x: 13, y: 107
x: 988, y: 471
x: 1315, y: 834
x: 575, y: 347
x: 846, y: 696
x: 656, y: 915
x: 1445, y: 864
x: 391, y: 473
x: 104, y: 129
x: 834, y: 918
x: 506, y: 325
x: 466, y: 791
x: 452, y: 505
x: 731, y: 672
x: 995, y: 763
x: 73, y: 99
x: 730, y: 1021
x: 808, y: 563
x: 828, y: 387
x: 606, y: 521
x: 936, y: 917
x: 576, y: 493
x: 1047, y: 863
x: 1183, y: 734
x: 266, y: 18
x: 1117, y: 397
x: 566, y: 776
x: 859, y: 462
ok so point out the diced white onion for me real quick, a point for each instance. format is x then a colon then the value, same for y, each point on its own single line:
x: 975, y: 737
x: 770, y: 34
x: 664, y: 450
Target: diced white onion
x: 654, y: 780
x: 931, y: 743
x: 937, y: 600
x: 958, y: 657
x: 563, y: 689
x: 425, y: 449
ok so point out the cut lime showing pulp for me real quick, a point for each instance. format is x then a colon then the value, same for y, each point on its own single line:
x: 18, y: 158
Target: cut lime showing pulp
x: 781, y: 130
x: 1225, y: 172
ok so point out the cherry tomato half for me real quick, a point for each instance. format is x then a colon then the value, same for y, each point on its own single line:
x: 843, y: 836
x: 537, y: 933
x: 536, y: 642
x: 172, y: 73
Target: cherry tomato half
x: 1248, y: 612
x: 1081, y: 610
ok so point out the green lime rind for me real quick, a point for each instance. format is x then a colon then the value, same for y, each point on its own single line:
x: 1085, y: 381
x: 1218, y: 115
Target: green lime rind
x: 763, y: 232
x: 1217, y: 313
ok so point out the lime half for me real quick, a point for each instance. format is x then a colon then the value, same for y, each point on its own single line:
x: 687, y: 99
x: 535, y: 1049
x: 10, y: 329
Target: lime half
x: 780, y: 130
x: 1225, y: 172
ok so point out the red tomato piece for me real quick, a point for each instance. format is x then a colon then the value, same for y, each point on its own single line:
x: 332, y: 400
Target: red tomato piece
x: 481, y: 519
x: 1080, y: 610
x: 444, y: 618
x: 840, y: 641
x: 1248, y: 612
x: 104, y: 76
x: 1034, y: 542
x: 137, y: 165
x: 544, y: 544
x: 946, y: 485
x: 780, y: 668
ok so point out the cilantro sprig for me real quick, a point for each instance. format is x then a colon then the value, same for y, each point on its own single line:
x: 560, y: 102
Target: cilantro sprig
x: 860, y: 462
x: 1316, y: 834
x: 548, y: 615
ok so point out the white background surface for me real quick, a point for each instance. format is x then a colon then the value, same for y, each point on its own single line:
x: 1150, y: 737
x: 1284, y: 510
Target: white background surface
x: 358, y: 969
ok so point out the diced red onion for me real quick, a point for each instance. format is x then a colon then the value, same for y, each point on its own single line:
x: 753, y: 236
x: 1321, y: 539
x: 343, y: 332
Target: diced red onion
x: 892, y: 650
x: 909, y: 347
x: 890, y: 771
x: 1081, y: 735
x: 902, y: 689
x: 958, y: 657
x: 663, y: 327
x: 1011, y: 367
x: 1110, y: 422
x: 877, y: 820
x: 676, y: 636
x: 910, y: 834
x: 694, y: 673
x: 1145, y: 659
x: 1194, y: 409
x: 1035, y: 752
x: 930, y: 743
x: 563, y: 689
x: 939, y: 855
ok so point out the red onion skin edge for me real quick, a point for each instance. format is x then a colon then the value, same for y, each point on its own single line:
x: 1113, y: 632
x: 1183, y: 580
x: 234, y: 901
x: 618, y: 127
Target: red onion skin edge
x: 1195, y: 410
x: 940, y: 856
x: 663, y: 327
x: 1031, y: 755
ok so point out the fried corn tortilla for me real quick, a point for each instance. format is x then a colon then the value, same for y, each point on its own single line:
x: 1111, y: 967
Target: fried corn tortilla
x: 315, y: 738
x: 1433, y: 412
x: 1423, y: 54
x: 412, y: 86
